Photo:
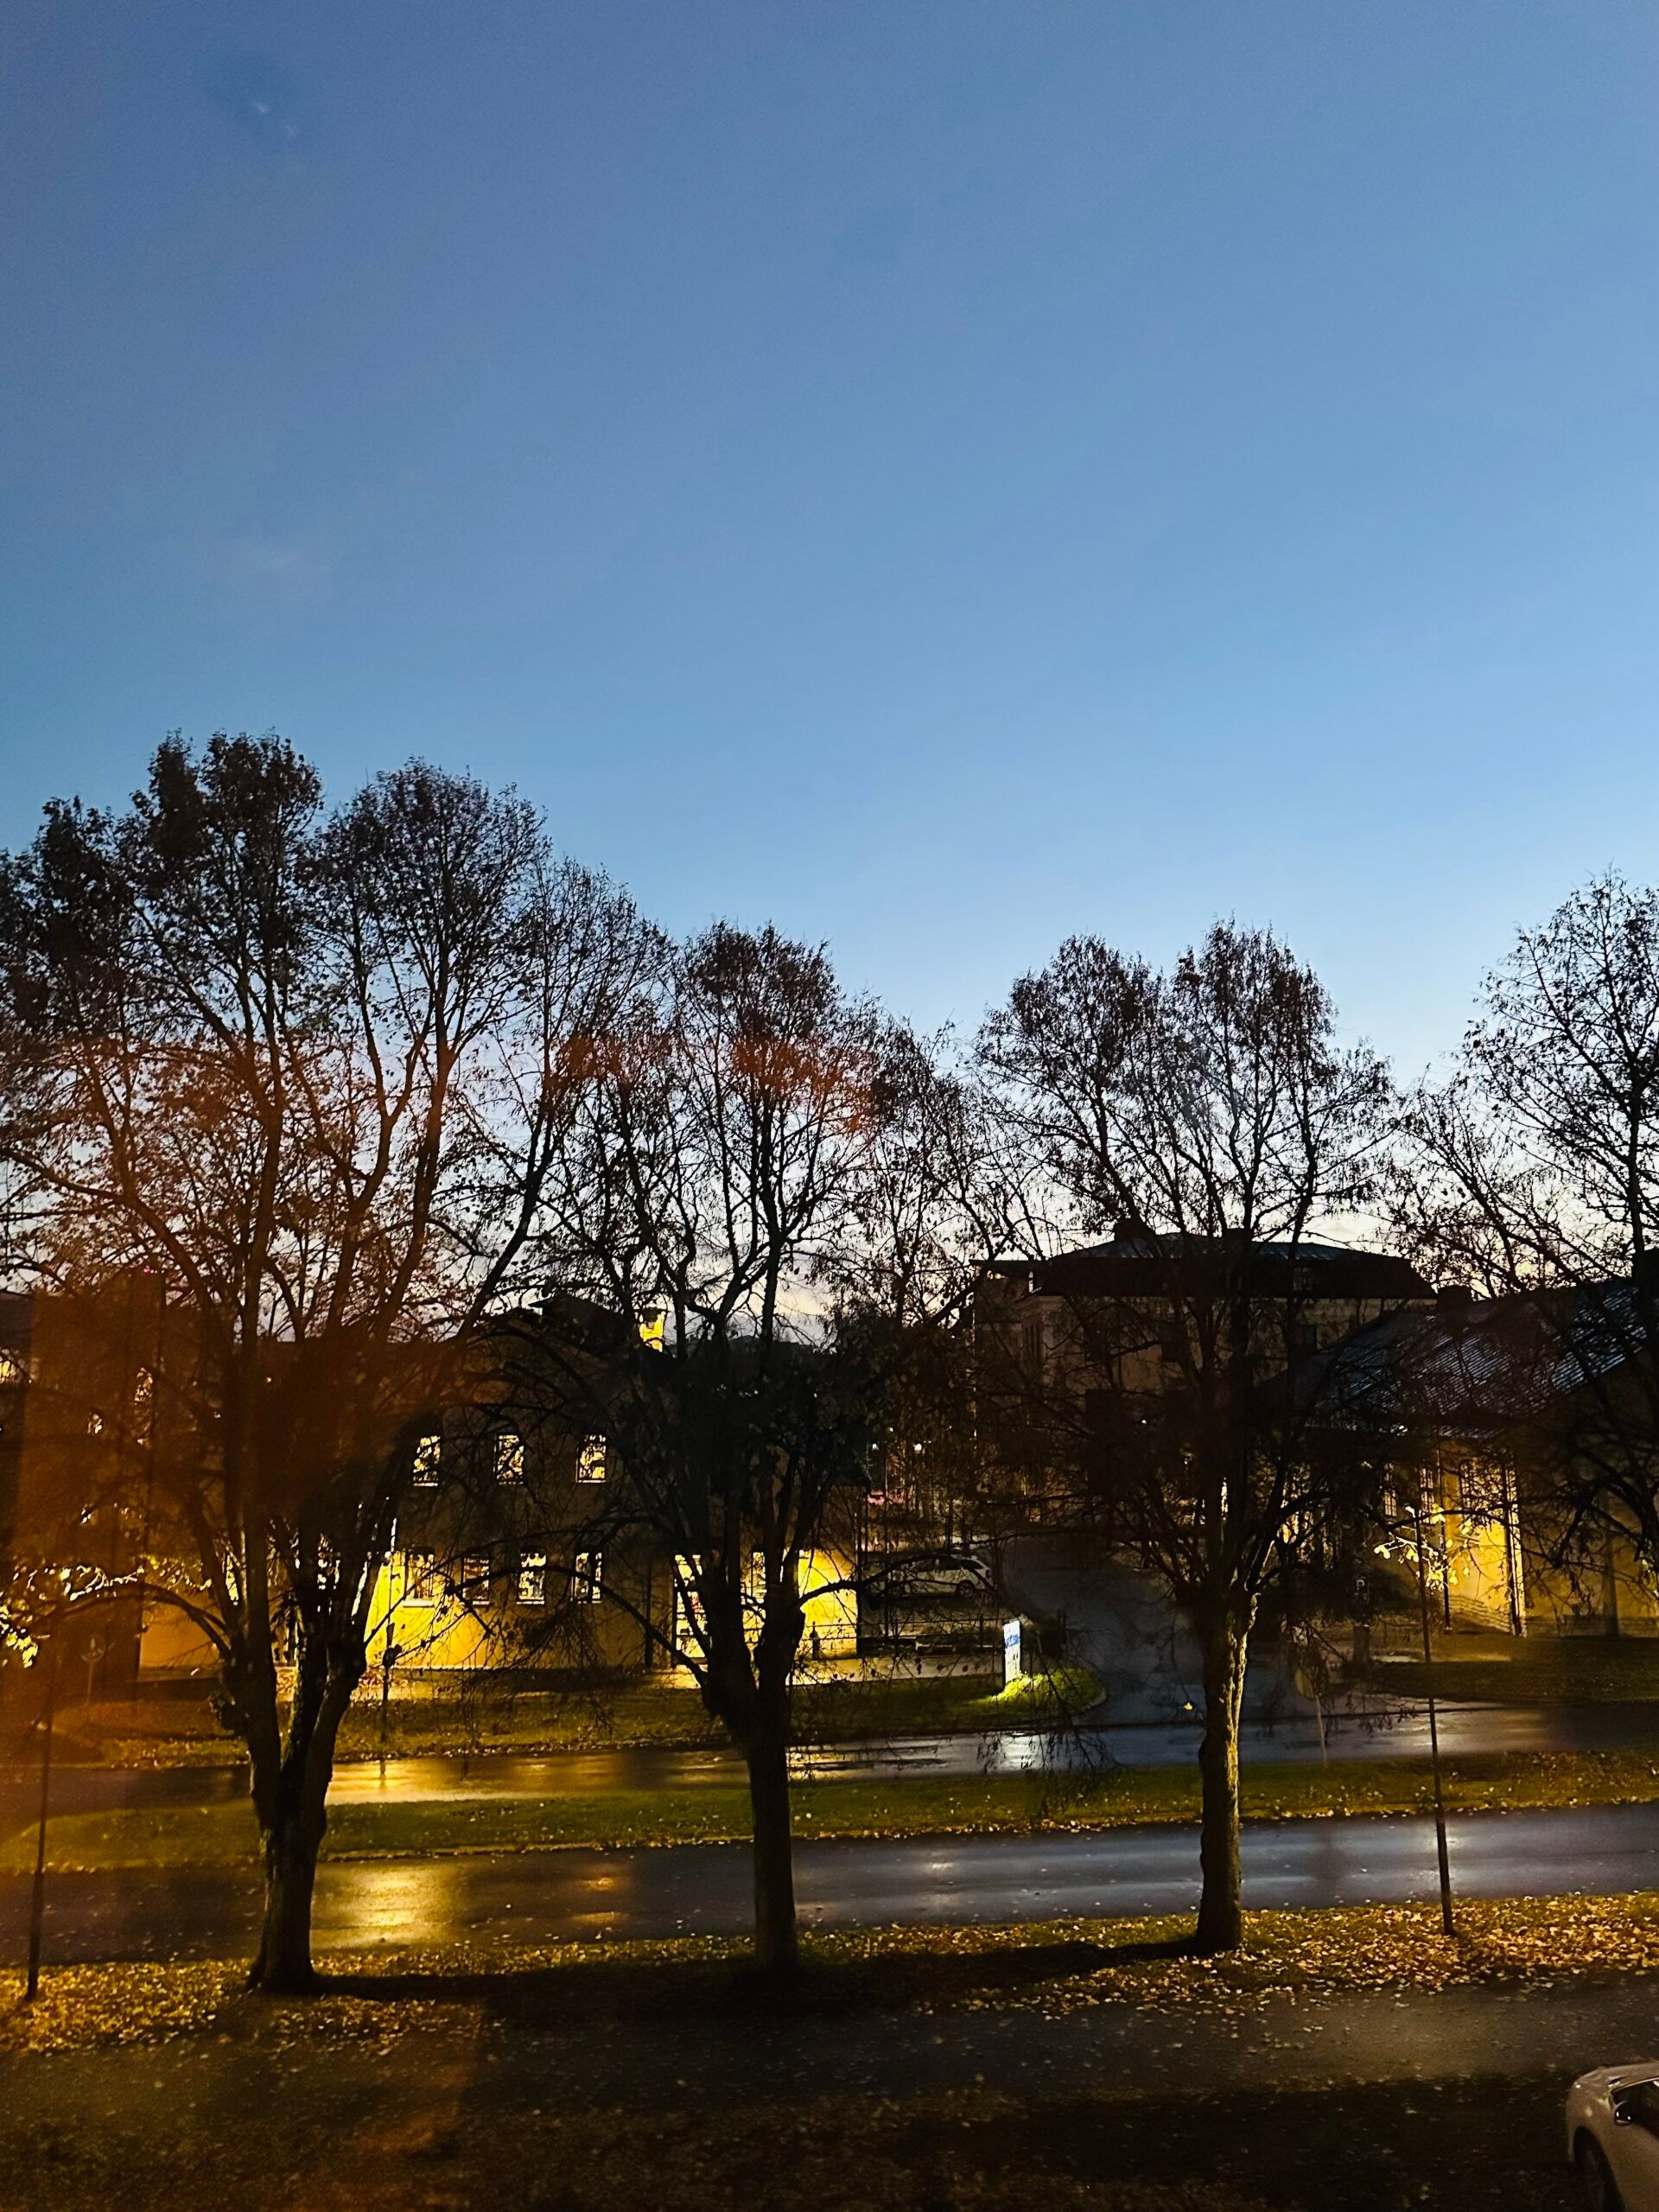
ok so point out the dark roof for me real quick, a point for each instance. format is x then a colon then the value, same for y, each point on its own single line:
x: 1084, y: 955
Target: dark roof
x: 1468, y: 1368
x: 1141, y: 1265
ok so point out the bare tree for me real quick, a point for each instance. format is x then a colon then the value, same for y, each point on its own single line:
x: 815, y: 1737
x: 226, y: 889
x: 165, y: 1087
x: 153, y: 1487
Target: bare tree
x: 901, y: 1290
x: 302, y: 1075
x: 1210, y: 1117
x: 708, y: 1183
x: 1532, y: 1176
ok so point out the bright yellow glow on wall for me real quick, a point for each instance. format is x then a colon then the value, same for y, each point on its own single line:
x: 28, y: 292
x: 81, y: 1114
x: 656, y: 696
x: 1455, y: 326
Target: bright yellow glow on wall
x: 418, y: 1610
x: 831, y: 1608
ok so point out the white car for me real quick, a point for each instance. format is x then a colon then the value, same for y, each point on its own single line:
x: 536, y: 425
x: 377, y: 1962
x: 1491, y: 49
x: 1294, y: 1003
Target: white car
x: 1612, y: 2137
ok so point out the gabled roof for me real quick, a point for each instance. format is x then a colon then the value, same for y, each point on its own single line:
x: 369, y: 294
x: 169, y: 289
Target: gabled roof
x: 1138, y: 1264
x: 1471, y: 1369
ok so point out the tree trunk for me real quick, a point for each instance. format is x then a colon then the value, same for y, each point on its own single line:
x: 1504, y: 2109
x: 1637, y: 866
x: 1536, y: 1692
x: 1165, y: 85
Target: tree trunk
x: 776, y: 1948
x: 283, y: 1966
x: 292, y: 1804
x: 1221, y: 1912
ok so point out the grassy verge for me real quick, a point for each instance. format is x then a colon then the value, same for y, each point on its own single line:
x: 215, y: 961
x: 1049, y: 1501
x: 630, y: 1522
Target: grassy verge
x: 183, y: 1731
x: 1053, y: 1967
x: 224, y: 1835
x: 1535, y: 1670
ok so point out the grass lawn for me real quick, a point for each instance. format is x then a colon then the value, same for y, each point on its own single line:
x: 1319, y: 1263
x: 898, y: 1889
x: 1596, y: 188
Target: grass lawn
x: 223, y: 1835
x: 1529, y: 1670
x: 477, y: 2130
x: 183, y: 1731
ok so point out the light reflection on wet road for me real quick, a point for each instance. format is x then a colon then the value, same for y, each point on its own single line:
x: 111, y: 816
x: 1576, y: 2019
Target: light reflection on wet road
x: 704, y: 1889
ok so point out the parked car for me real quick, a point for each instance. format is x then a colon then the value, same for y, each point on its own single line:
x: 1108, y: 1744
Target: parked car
x: 1612, y: 2137
x: 956, y: 1578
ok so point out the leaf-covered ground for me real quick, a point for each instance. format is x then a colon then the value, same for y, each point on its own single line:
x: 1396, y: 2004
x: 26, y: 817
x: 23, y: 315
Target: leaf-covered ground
x: 1105, y: 2075
x: 1055, y: 1967
x: 1447, y: 2147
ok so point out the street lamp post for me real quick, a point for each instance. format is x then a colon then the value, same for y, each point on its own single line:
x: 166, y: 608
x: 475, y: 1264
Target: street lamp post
x: 389, y: 1655
x: 1447, y: 1924
x: 37, y: 1899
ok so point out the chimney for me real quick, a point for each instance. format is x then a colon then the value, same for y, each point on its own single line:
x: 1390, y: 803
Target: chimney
x: 1453, y: 1303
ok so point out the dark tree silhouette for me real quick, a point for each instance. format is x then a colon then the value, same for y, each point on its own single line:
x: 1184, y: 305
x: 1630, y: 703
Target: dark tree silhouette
x: 300, y: 1075
x: 713, y: 1180
x: 1208, y: 1116
x: 1531, y: 1175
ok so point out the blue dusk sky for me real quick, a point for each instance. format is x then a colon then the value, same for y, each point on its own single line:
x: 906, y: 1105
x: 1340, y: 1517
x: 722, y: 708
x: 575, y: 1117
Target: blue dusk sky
x: 936, y: 475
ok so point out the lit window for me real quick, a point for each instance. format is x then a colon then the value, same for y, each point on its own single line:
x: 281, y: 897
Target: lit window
x: 689, y: 1618
x: 11, y: 1367
x: 426, y: 1451
x: 476, y: 1580
x: 94, y: 1424
x: 533, y: 1579
x: 143, y: 1386
x: 590, y: 1467
x: 420, y: 1579
x: 585, y: 1588
x: 509, y: 1456
x: 755, y: 1592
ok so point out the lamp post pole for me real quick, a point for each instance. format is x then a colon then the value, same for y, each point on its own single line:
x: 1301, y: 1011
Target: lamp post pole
x: 389, y: 1655
x: 37, y: 1899
x: 1447, y: 1924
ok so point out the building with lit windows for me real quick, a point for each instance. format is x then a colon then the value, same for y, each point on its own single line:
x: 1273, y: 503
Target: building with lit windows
x: 1501, y: 1430
x: 514, y: 1545
x: 1483, y: 1420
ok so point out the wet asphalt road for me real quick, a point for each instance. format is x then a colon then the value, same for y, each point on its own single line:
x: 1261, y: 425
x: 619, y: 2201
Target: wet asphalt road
x: 704, y: 1889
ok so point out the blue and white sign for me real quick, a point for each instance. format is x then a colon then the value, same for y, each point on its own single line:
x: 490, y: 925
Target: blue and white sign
x: 1012, y: 1651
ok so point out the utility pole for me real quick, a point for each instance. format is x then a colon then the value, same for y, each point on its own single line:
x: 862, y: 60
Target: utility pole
x: 37, y: 1899
x: 1447, y: 1924
x: 389, y: 1655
